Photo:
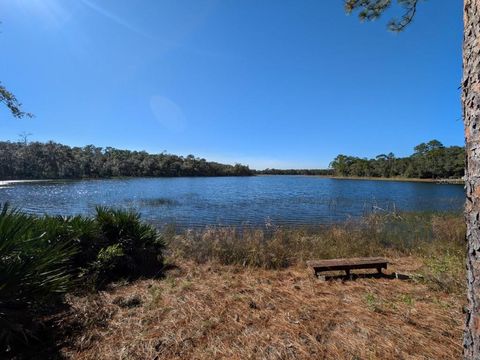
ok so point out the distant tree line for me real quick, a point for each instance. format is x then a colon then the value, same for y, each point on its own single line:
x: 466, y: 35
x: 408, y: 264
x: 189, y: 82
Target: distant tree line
x: 324, y: 172
x: 36, y: 160
x: 429, y: 160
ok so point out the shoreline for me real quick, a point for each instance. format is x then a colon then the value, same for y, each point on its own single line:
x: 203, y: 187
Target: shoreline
x: 13, y: 182
x: 401, y: 179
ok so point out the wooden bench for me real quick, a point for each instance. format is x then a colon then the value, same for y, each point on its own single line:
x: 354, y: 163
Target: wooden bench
x: 348, y: 264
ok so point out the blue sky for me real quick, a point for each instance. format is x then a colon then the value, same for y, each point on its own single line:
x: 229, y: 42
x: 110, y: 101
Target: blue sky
x: 286, y: 84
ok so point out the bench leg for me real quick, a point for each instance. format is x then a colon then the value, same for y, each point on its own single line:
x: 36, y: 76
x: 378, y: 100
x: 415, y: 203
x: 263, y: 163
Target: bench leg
x: 317, y: 275
x: 379, y: 269
x: 347, y: 273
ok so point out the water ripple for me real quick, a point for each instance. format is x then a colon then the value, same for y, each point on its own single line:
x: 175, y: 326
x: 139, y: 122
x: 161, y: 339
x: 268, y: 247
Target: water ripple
x: 250, y: 201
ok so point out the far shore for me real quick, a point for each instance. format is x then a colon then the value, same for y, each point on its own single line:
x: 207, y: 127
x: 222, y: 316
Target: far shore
x: 403, y: 179
x: 437, y: 181
x: 12, y: 182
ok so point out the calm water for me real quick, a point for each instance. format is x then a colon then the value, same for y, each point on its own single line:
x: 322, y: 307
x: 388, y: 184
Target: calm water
x: 194, y: 202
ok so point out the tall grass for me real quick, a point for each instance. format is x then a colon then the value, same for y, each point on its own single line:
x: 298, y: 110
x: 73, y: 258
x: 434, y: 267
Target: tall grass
x: 438, y: 238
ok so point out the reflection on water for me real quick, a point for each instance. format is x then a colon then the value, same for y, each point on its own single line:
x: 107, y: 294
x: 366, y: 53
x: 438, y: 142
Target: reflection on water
x: 194, y: 202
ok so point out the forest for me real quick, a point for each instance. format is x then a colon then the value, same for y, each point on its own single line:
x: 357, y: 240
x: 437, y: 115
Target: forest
x: 431, y: 160
x: 50, y: 160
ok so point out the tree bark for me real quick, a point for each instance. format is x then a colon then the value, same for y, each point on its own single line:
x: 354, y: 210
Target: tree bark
x: 471, y: 117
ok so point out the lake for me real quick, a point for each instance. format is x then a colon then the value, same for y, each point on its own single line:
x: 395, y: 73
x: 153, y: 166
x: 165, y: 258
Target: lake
x: 251, y: 201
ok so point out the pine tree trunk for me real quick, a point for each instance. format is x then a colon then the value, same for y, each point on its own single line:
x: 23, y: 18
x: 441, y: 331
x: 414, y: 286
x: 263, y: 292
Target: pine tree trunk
x: 471, y: 116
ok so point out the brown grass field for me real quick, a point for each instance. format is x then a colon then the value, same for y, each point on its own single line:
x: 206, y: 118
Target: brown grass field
x: 228, y: 312
x: 230, y: 294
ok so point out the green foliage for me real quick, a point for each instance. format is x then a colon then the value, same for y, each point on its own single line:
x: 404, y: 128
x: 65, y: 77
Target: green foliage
x: 108, y: 254
x: 112, y: 245
x: 444, y: 271
x: 431, y: 160
x: 109, y: 259
x: 35, y: 160
x: 41, y: 258
x: 407, y: 299
x: 33, y: 270
x: 373, y: 9
x: 128, y: 247
x: 11, y: 102
x: 83, y: 232
x: 372, y: 301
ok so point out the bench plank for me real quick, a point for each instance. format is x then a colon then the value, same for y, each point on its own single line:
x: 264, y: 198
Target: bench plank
x: 348, y: 264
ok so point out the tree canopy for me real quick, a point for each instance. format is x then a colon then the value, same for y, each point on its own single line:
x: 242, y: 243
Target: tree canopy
x: 36, y: 160
x: 429, y: 160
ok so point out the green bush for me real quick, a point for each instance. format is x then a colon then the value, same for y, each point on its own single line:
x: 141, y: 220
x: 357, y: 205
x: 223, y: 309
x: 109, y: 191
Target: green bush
x: 128, y: 247
x: 33, y: 270
x: 41, y: 258
x: 82, y: 231
x: 112, y: 245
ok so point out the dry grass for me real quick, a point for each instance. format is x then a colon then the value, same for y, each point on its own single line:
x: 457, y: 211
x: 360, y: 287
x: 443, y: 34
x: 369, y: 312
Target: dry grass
x: 439, y: 239
x: 213, y: 311
x: 248, y: 295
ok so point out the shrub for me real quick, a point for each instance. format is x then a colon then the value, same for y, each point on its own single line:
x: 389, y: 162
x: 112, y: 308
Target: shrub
x: 113, y: 244
x: 127, y: 247
x: 42, y: 257
x: 33, y: 271
x: 81, y: 231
